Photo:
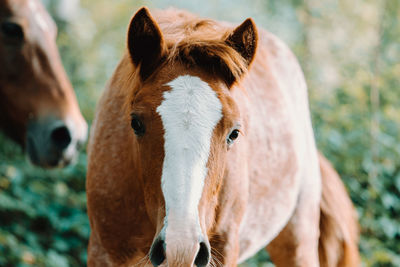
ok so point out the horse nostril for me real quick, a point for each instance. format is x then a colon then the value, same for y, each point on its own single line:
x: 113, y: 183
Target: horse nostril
x: 157, y: 252
x: 203, y: 256
x: 61, y: 137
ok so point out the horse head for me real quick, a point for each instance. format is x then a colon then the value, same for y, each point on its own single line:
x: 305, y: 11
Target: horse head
x: 184, y: 123
x: 38, y: 107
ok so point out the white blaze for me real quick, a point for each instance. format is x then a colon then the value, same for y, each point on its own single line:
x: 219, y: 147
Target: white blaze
x: 189, y: 113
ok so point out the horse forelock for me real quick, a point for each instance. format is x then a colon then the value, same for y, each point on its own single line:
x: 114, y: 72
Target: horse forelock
x: 195, y: 43
x: 201, y: 43
x: 212, y: 56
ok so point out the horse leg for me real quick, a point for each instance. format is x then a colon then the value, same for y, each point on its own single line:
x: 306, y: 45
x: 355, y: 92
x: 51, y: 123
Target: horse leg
x: 338, y: 242
x: 297, y: 243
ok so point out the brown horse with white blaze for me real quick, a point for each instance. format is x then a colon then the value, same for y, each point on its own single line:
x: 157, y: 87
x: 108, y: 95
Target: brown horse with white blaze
x: 38, y: 107
x: 202, y: 153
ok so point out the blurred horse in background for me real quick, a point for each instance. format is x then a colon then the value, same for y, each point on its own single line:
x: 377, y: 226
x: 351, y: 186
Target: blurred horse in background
x: 202, y: 153
x: 38, y: 107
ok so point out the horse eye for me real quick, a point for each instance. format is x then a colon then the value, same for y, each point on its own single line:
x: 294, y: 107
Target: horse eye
x: 233, y: 136
x: 12, y: 30
x: 137, y: 126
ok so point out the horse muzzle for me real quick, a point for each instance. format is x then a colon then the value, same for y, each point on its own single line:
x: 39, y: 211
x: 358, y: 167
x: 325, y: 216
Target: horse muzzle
x: 54, y: 143
x: 182, y: 253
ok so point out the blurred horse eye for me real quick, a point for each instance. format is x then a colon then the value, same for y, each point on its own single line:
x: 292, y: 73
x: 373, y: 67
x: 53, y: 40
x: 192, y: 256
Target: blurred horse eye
x: 12, y: 30
x: 233, y: 136
x: 137, y: 126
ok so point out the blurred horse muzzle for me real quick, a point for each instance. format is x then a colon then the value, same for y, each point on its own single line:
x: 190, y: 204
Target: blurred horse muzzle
x: 54, y: 143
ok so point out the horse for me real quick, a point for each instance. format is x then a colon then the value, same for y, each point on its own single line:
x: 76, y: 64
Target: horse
x: 38, y: 107
x: 202, y: 153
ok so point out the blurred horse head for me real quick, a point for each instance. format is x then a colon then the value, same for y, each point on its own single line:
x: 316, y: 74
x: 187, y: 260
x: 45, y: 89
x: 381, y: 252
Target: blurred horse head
x: 38, y: 107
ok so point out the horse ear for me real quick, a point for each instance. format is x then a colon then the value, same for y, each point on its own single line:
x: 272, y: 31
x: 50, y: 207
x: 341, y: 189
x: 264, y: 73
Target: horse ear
x: 244, y: 40
x: 145, y: 42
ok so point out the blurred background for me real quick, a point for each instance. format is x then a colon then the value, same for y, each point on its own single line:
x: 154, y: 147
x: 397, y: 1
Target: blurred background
x: 350, y: 53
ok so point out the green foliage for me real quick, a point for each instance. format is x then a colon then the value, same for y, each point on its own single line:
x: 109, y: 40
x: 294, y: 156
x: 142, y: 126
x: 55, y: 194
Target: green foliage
x: 350, y: 53
x: 357, y: 125
x: 43, y: 218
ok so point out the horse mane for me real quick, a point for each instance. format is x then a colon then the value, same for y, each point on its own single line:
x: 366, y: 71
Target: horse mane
x: 197, y: 42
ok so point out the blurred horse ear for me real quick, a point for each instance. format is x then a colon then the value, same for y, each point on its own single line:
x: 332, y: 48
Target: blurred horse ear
x: 244, y: 40
x: 145, y: 42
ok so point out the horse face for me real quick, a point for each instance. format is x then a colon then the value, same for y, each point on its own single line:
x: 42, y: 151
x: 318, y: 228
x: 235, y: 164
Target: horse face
x: 185, y: 121
x: 38, y: 107
x: 183, y: 130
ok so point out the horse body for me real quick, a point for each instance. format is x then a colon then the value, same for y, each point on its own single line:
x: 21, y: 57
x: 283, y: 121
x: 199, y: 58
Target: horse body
x: 264, y: 188
x: 281, y: 154
x: 38, y: 107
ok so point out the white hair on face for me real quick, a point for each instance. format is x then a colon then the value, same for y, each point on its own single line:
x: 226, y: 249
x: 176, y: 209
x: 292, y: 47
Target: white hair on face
x: 189, y: 113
